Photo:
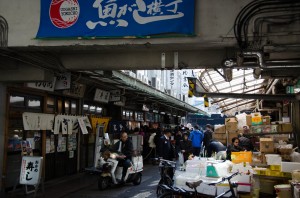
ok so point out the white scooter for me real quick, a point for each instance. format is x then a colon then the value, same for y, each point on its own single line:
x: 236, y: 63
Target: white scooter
x: 112, y: 173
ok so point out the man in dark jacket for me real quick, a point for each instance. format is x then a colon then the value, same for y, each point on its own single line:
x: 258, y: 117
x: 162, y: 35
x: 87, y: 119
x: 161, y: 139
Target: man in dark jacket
x: 207, y: 136
x: 165, y: 149
x: 125, y: 149
x: 245, y: 143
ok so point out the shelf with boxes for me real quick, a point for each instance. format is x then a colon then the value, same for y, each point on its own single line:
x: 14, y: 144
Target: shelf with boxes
x: 263, y: 134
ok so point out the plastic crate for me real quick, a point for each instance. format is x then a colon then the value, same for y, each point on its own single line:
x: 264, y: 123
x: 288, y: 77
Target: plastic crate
x: 275, y: 167
x: 260, y: 171
x: 274, y: 173
x: 239, y: 157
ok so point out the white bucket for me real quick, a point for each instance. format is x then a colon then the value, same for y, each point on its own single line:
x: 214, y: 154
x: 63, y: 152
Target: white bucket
x: 283, y: 191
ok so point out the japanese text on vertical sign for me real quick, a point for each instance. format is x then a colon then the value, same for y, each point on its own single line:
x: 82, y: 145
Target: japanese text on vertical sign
x: 30, y: 170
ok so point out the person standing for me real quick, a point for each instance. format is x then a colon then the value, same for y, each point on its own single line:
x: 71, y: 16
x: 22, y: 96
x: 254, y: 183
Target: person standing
x: 207, y: 137
x: 178, y: 138
x: 196, y: 136
x: 186, y: 147
x: 125, y: 147
x: 152, y: 144
x: 166, y: 149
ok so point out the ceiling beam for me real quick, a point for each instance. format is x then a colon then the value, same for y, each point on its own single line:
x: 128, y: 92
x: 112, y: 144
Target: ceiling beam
x: 246, y: 96
x: 217, y: 101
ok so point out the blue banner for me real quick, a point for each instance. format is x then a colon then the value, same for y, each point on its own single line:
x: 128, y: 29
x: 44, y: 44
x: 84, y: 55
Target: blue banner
x: 115, y: 18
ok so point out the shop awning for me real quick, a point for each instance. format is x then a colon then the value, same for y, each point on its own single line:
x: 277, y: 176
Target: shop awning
x: 142, y: 92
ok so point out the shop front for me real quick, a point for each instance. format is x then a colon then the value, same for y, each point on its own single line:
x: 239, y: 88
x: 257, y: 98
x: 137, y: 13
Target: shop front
x: 30, y: 121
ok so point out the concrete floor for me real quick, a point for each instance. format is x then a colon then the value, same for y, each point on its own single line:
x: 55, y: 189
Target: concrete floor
x: 84, y: 185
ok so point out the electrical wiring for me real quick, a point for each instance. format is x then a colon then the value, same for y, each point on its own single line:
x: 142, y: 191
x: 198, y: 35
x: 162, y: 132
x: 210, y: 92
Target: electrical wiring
x: 262, y: 11
x: 256, y: 8
x: 3, y: 32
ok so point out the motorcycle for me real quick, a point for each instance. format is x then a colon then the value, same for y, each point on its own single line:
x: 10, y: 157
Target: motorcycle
x: 111, y: 173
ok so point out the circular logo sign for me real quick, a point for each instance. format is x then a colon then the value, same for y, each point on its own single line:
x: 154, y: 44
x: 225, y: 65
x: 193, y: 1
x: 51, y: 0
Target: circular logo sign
x: 64, y: 13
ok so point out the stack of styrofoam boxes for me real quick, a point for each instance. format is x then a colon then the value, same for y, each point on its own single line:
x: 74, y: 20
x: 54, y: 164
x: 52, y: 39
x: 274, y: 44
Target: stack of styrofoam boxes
x: 244, y: 179
x: 196, y: 166
x: 182, y: 177
x: 195, y: 170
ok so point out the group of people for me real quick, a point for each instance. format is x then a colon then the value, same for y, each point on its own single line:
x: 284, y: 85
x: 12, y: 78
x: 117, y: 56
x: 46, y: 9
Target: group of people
x: 196, y: 142
x: 187, y: 142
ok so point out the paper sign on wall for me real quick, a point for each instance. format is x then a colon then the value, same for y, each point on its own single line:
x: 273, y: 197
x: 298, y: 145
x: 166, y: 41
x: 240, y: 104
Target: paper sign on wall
x: 63, y: 81
x: 46, y: 86
x: 102, y: 96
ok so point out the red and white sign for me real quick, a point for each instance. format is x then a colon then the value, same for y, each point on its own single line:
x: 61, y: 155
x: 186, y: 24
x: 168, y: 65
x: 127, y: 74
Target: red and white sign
x: 64, y: 13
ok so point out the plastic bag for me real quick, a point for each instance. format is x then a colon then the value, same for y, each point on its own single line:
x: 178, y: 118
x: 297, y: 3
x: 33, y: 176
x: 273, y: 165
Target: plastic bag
x: 180, y: 158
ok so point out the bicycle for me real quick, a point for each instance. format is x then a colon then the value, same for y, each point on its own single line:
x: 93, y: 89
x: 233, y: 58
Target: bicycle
x: 167, y: 169
x: 170, y: 191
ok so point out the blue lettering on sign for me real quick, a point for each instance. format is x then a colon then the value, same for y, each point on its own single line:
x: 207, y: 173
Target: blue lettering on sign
x: 115, y: 18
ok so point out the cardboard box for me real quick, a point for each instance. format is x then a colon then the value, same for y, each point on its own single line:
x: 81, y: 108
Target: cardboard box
x: 285, y: 127
x: 266, y: 145
x: 256, y: 119
x: 249, y: 120
x: 220, y: 129
x: 266, y: 120
x: 224, y: 141
x: 219, y: 136
x: 231, y: 124
x: 231, y: 135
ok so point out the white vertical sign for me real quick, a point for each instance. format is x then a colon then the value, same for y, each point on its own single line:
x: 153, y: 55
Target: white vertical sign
x: 171, y: 79
x: 31, y: 169
x: 185, y: 73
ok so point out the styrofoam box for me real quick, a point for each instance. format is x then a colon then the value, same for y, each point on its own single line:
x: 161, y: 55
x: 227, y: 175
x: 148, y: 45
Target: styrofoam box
x: 181, y: 179
x: 242, y: 178
x: 222, y: 189
x: 244, y: 187
x: 206, y: 189
x: 273, y: 159
x: 289, y: 166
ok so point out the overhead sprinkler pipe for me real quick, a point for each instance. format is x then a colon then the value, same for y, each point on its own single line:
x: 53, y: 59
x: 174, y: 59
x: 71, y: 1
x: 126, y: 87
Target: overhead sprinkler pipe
x: 259, y: 57
x: 262, y: 64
